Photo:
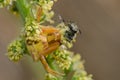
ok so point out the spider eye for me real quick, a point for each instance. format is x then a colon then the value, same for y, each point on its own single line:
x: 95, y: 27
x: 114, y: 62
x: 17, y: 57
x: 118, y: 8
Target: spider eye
x: 35, y: 42
x: 29, y: 42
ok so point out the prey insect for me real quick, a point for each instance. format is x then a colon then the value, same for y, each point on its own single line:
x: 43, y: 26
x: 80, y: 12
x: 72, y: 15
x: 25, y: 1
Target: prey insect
x: 72, y: 29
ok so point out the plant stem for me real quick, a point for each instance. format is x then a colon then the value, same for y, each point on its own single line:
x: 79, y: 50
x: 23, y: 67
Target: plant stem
x: 23, y: 8
x: 50, y: 62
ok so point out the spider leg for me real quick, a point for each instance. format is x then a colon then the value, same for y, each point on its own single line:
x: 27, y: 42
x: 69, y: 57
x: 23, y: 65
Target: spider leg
x: 52, y: 47
x: 34, y: 54
x: 39, y: 14
x: 46, y: 66
x: 49, y: 30
x: 54, y: 37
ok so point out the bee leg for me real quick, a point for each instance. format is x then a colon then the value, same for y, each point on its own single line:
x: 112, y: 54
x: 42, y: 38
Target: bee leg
x: 52, y: 47
x: 46, y: 66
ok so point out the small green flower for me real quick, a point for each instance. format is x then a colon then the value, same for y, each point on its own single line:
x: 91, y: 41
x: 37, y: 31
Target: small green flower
x: 4, y: 3
x: 78, y: 67
x: 32, y: 28
x: 16, y: 50
x: 81, y: 76
x: 62, y: 58
x: 47, y: 12
x: 50, y: 77
x: 13, y: 8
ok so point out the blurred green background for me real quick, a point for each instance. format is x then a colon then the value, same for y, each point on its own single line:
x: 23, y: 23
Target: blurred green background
x: 99, y: 43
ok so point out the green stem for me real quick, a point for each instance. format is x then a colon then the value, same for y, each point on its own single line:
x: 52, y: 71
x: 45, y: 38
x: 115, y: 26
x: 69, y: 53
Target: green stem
x: 23, y: 8
x: 50, y: 62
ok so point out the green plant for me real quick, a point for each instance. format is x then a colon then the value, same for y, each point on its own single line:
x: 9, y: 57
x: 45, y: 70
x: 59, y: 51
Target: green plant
x: 34, y: 38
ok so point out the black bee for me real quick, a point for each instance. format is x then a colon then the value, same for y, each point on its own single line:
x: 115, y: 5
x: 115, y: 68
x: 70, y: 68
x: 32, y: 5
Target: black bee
x: 72, y: 30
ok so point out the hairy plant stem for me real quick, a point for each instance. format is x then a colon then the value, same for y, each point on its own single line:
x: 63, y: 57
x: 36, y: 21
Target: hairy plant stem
x: 50, y: 62
x: 24, y: 9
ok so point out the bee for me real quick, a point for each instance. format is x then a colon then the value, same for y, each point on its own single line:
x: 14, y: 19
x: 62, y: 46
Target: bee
x: 71, y: 31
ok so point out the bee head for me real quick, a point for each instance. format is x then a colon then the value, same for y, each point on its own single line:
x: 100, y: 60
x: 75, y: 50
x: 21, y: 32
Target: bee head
x: 73, y: 27
x: 71, y: 32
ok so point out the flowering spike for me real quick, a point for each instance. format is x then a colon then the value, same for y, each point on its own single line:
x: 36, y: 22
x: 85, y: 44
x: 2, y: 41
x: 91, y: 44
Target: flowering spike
x: 45, y: 43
